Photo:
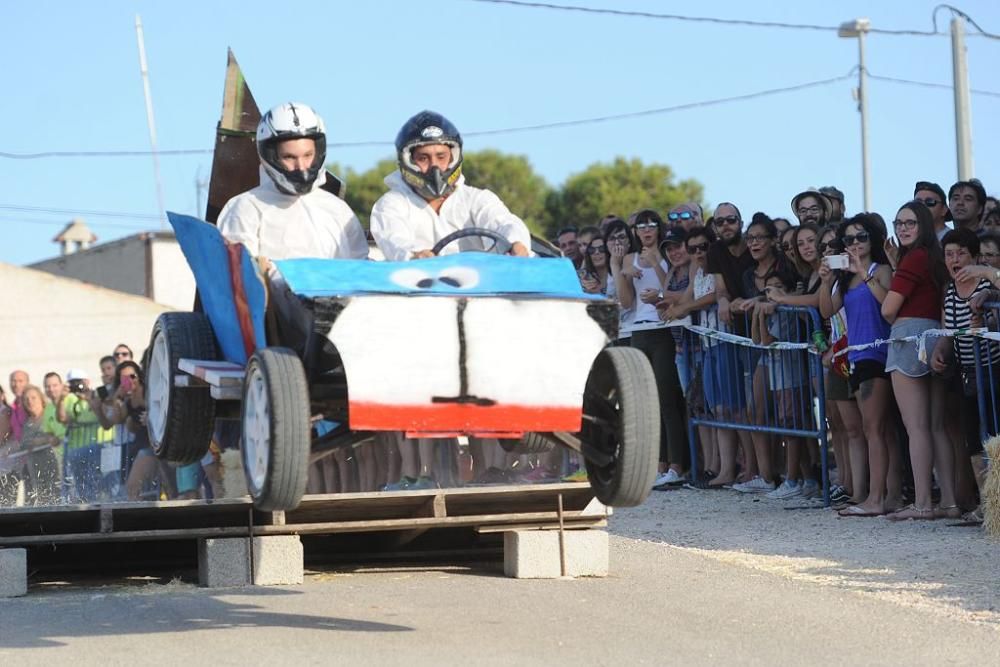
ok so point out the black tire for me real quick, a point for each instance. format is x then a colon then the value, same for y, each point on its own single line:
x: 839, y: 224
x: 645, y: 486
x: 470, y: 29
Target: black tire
x: 621, y: 421
x: 275, y: 434
x: 180, y: 420
x: 531, y: 443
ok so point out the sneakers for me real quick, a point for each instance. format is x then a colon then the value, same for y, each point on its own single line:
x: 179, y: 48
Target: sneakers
x: 838, y: 494
x: 579, y: 476
x: 423, y: 483
x: 404, y: 484
x: 667, y: 478
x: 755, y: 485
x: 788, y: 489
x: 811, y: 489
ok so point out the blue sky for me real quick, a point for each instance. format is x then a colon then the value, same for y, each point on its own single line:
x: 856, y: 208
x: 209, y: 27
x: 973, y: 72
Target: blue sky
x: 71, y: 83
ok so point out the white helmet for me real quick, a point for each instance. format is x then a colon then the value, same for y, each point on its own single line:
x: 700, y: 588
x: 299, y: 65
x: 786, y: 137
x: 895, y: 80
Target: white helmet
x: 291, y: 121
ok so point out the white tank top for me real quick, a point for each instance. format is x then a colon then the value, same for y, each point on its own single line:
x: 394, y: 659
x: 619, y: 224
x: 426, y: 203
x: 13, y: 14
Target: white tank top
x: 646, y: 312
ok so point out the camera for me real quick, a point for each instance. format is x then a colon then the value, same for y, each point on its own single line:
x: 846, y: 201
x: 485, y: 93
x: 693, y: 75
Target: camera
x: 77, y: 387
x: 837, y: 261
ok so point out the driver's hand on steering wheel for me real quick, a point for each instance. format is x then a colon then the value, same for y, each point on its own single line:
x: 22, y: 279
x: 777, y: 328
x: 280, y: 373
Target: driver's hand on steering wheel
x: 518, y: 250
x: 422, y: 254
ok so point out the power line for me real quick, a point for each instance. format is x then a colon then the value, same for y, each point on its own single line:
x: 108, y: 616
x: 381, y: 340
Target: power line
x: 927, y: 84
x: 527, y: 128
x: 4, y: 219
x: 698, y: 19
x: 67, y: 211
x: 35, y: 156
x: 670, y: 109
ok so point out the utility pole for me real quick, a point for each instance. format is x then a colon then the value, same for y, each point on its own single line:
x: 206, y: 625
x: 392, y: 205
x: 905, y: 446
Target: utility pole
x: 963, y: 120
x: 858, y: 28
x: 150, y: 121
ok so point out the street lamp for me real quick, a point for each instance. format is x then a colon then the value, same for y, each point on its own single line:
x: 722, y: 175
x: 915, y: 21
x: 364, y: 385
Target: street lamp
x: 858, y: 28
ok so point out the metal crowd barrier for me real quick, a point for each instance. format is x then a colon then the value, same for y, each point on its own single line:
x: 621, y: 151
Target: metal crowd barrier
x: 986, y: 378
x: 93, y: 464
x: 793, y: 403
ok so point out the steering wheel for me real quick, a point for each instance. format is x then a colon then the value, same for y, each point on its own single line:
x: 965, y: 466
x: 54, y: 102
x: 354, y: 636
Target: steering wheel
x: 501, y: 246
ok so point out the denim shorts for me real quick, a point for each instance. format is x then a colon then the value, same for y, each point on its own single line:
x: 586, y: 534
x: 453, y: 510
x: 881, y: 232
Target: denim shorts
x: 723, y: 378
x: 904, y: 357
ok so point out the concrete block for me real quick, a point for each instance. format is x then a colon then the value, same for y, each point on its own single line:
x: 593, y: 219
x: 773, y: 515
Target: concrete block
x: 534, y: 554
x: 277, y: 560
x: 13, y: 572
x: 224, y: 562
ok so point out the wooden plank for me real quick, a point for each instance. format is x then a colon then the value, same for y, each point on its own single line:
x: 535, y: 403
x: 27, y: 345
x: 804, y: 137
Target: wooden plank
x: 125, y: 536
x: 577, y: 524
x: 106, y: 521
x: 362, y: 526
x: 227, y: 393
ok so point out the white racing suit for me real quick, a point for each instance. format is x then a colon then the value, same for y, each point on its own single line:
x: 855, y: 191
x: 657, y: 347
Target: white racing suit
x: 403, y: 223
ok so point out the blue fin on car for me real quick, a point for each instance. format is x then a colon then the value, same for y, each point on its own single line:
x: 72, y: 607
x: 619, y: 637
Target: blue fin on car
x: 222, y: 298
x: 462, y: 274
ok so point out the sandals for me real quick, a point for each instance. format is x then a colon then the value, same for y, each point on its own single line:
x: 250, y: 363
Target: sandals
x: 948, y: 512
x: 913, y: 512
x: 857, y: 510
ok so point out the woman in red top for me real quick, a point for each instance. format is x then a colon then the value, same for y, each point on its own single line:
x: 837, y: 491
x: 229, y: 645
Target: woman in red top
x: 912, y: 306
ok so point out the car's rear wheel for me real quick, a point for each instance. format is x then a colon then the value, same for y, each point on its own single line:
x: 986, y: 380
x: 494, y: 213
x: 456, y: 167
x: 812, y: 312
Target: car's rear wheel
x: 180, y: 420
x: 274, y: 444
x: 621, y: 427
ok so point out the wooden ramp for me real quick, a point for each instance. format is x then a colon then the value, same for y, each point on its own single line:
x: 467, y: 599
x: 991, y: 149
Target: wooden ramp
x: 483, y: 509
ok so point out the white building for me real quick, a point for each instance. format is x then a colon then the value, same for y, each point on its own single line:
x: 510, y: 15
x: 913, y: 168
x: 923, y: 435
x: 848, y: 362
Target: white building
x: 50, y: 323
x: 149, y: 264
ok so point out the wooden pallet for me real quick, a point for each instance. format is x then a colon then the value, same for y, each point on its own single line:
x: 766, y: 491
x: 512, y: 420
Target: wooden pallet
x: 484, y: 509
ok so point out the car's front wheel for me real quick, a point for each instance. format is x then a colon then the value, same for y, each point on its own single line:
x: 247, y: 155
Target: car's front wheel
x: 621, y: 427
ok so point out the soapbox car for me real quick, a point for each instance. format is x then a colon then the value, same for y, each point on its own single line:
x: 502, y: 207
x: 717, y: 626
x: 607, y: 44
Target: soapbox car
x: 472, y: 343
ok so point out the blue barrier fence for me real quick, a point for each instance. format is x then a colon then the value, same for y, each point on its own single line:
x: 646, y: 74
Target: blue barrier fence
x: 766, y: 388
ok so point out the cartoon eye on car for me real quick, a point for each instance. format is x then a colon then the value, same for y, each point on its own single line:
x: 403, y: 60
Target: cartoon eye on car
x: 459, y: 344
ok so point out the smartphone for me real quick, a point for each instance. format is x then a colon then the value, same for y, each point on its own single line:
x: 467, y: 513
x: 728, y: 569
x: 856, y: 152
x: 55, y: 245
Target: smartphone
x: 126, y: 383
x: 837, y: 261
x: 102, y: 392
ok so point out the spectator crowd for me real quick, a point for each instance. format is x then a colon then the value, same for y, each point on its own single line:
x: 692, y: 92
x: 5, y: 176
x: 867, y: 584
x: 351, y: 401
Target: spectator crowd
x: 902, y: 405
x: 75, y: 440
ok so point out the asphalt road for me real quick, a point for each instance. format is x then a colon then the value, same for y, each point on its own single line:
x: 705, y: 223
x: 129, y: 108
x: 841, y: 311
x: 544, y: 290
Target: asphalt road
x: 662, y: 605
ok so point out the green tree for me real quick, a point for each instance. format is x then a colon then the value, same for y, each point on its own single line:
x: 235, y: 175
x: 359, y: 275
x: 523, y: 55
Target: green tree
x: 618, y: 188
x: 363, y: 188
x: 514, y: 180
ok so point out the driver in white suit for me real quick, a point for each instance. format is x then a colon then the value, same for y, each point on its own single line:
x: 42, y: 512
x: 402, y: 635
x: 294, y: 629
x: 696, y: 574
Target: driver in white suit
x: 429, y: 199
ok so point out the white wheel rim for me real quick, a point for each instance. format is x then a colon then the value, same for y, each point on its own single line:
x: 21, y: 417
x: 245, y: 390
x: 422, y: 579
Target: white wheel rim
x: 256, y: 431
x: 158, y: 384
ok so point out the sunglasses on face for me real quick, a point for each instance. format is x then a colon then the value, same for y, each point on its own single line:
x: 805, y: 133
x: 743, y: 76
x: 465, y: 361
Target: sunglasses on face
x: 861, y: 237
x: 727, y: 220
x: 594, y: 249
x: 123, y: 354
x: 930, y: 202
x: 647, y: 225
x: 130, y: 376
x: 683, y: 215
x: 904, y: 224
x: 758, y: 238
x: 835, y: 246
x: 697, y: 247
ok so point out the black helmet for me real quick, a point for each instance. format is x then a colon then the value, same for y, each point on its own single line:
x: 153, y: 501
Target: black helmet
x: 424, y: 129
